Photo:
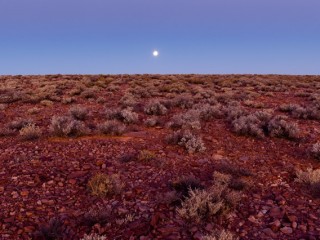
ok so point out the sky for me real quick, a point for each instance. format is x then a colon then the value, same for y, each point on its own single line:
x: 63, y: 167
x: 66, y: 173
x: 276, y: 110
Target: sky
x: 192, y: 36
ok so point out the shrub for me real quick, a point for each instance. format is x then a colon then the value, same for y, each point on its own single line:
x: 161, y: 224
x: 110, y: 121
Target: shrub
x: 311, y: 178
x: 255, y: 124
x: 104, y: 185
x: 53, y: 230
x: 93, y: 236
x: 205, y: 204
x: 30, y: 132
x: 88, y: 93
x: 279, y: 127
x: 67, y: 100
x: 155, y: 108
x: 79, y: 113
x: 146, y: 155
x: 63, y: 126
x: 19, y: 124
x: 3, y: 106
x: 186, y: 139
x: 184, y: 102
x: 112, y: 114
x: 208, y: 112
x: 128, y: 116
x: 223, y: 235
x: 288, y: 107
x: 188, y: 120
x: 315, y: 150
x: 96, y: 214
x: 260, y: 124
x: 151, y: 122
x: 184, y: 184
x: 46, y: 103
x: 112, y: 127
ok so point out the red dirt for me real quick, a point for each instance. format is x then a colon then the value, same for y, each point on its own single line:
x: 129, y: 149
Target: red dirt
x: 47, y: 178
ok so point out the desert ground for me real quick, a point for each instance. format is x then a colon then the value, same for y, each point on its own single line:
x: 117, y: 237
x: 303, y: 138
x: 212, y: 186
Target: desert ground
x: 212, y: 157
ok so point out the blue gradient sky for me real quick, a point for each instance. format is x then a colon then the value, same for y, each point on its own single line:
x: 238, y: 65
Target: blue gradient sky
x: 192, y: 36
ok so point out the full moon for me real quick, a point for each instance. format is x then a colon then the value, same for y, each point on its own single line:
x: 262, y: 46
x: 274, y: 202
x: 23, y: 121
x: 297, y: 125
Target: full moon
x: 155, y: 53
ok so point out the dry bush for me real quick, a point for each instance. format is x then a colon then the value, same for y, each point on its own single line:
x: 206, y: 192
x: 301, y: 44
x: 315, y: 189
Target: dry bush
x: 155, y: 108
x: 223, y: 235
x: 63, y: 126
x: 55, y: 229
x: 261, y: 124
x: 46, y: 103
x: 208, y: 112
x: 112, y: 127
x: 311, y: 178
x: 97, y: 214
x: 288, y: 107
x: 9, y: 95
x: 184, y: 102
x: 315, y: 150
x: 128, y: 100
x: 19, y: 124
x: 188, y: 120
x: 146, y: 155
x: 103, y: 185
x: 300, y: 112
x: 67, y: 100
x: 30, y: 132
x: 88, y: 93
x: 188, y: 140
x: 205, y: 204
x: 151, y: 122
x: 128, y: 116
x: 234, y: 111
x: 34, y: 110
x: 182, y: 186
x: 279, y: 127
x: 93, y: 236
x: 255, y: 124
x: 3, y: 106
x: 253, y: 104
x: 79, y: 113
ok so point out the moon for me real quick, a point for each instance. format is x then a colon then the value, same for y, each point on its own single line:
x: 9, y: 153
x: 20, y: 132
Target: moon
x: 155, y: 53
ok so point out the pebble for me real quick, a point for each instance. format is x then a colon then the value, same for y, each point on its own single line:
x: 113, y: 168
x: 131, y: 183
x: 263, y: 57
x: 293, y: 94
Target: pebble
x: 286, y: 230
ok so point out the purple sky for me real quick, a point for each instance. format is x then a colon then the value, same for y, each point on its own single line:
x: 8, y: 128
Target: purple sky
x: 192, y: 36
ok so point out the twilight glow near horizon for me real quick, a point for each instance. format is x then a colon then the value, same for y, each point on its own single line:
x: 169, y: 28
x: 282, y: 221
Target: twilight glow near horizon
x: 119, y: 36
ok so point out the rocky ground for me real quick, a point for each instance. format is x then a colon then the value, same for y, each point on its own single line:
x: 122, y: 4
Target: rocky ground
x: 44, y: 192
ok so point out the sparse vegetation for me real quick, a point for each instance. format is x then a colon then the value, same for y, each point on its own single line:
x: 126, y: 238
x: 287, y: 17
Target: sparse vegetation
x: 112, y: 127
x: 205, y: 204
x: 79, y: 113
x: 155, y: 108
x: 104, y: 185
x: 30, y: 132
x: 188, y: 140
x: 315, y: 151
x: 64, y: 126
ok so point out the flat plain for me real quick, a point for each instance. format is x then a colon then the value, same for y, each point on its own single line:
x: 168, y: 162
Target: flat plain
x: 160, y: 157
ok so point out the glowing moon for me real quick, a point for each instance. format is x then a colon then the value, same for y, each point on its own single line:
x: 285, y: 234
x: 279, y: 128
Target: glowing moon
x: 155, y: 53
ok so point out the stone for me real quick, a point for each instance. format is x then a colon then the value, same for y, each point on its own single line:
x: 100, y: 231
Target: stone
x: 217, y: 157
x: 286, y: 230
x: 269, y: 232
x: 276, y: 212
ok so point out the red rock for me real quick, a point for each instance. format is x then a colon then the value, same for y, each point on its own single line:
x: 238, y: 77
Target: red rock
x: 286, y: 230
x: 269, y: 232
x: 29, y: 229
x: 24, y: 193
x: 276, y: 212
